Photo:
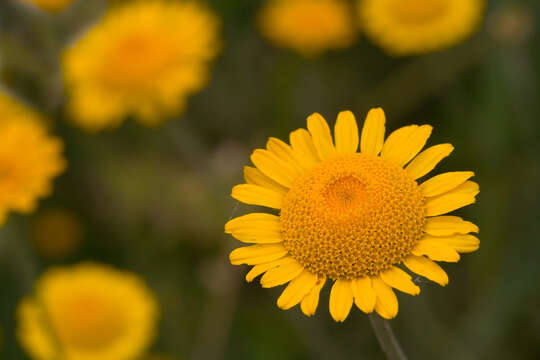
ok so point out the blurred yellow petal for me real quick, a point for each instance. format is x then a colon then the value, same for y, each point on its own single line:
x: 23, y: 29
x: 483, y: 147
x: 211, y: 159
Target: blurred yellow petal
x: 346, y: 133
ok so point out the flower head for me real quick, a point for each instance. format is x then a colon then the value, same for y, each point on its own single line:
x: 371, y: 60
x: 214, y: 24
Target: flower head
x: 87, y: 312
x: 406, y: 27
x: 143, y: 59
x: 51, y: 5
x: 357, y: 218
x: 308, y: 26
x: 26, y: 171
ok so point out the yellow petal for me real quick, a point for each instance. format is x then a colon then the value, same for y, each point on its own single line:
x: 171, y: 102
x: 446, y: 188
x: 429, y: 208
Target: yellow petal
x: 346, y: 133
x: 435, y: 251
x: 262, y: 268
x: 256, y: 177
x: 257, y: 195
x: 426, y: 268
x: 282, y: 274
x: 364, y: 295
x: 283, y: 151
x: 460, y: 243
x: 259, y: 228
x: 297, y: 290
x: 448, y: 225
x: 274, y: 167
x: 311, y: 301
x: 373, y: 132
x: 427, y: 160
x: 403, y: 144
x: 322, y: 139
x: 257, y: 254
x: 442, y: 183
x: 461, y: 196
x: 386, y: 304
x: 304, y: 150
x: 399, y: 279
x: 341, y: 300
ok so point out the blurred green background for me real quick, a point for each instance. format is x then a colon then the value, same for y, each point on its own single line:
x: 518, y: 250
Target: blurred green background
x: 154, y: 200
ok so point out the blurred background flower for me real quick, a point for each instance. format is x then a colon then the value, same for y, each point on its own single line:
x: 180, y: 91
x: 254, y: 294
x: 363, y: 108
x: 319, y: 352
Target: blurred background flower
x: 143, y: 59
x: 308, y: 26
x: 87, y: 311
x: 49, y: 5
x: 29, y: 158
x: 409, y: 27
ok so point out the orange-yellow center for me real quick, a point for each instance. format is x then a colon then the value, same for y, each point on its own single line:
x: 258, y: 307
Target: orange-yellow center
x: 89, y: 322
x: 417, y: 11
x: 136, y: 59
x: 352, y: 216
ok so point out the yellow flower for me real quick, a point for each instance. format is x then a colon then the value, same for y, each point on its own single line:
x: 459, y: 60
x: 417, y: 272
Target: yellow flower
x: 56, y: 232
x: 51, y: 5
x: 29, y: 158
x: 87, y: 312
x: 404, y: 27
x: 307, y: 26
x: 143, y: 59
x: 356, y: 218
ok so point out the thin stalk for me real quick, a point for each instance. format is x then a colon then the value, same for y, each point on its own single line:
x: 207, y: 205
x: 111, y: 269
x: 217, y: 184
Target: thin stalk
x: 388, y: 342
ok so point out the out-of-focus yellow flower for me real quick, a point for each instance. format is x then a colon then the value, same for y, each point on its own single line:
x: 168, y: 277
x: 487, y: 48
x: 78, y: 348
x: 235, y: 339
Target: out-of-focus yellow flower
x: 29, y: 158
x: 57, y: 232
x: 354, y: 217
x: 87, y: 312
x: 406, y: 27
x: 50, y: 5
x: 308, y: 26
x: 143, y: 59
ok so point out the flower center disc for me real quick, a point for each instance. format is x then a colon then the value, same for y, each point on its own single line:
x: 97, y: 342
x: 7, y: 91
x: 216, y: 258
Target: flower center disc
x: 417, y: 11
x: 352, y: 216
x: 89, y: 322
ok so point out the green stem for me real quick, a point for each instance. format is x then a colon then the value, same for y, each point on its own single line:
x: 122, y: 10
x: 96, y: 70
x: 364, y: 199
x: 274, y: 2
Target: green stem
x: 387, y: 340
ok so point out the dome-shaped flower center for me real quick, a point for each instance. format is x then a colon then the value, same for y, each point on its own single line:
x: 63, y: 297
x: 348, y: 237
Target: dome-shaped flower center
x: 89, y: 322
x: 137, y: 59
x: 352, y: 216
x: 417, y: 11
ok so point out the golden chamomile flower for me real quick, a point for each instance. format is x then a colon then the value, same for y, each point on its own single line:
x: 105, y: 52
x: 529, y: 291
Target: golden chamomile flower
x: 308, y: 26
x: 408, y: 27
x: 357, y: 218
x: 143, y: 59
x: 50, y: 5
x: 87, y: 312
x: 29, y: 158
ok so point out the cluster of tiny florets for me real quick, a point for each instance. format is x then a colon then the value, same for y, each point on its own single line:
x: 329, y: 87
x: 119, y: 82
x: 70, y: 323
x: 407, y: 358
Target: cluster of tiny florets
x: 352, y: 216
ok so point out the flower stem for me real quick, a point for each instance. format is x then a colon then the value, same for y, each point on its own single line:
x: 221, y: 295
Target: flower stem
x: 387, y: 340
